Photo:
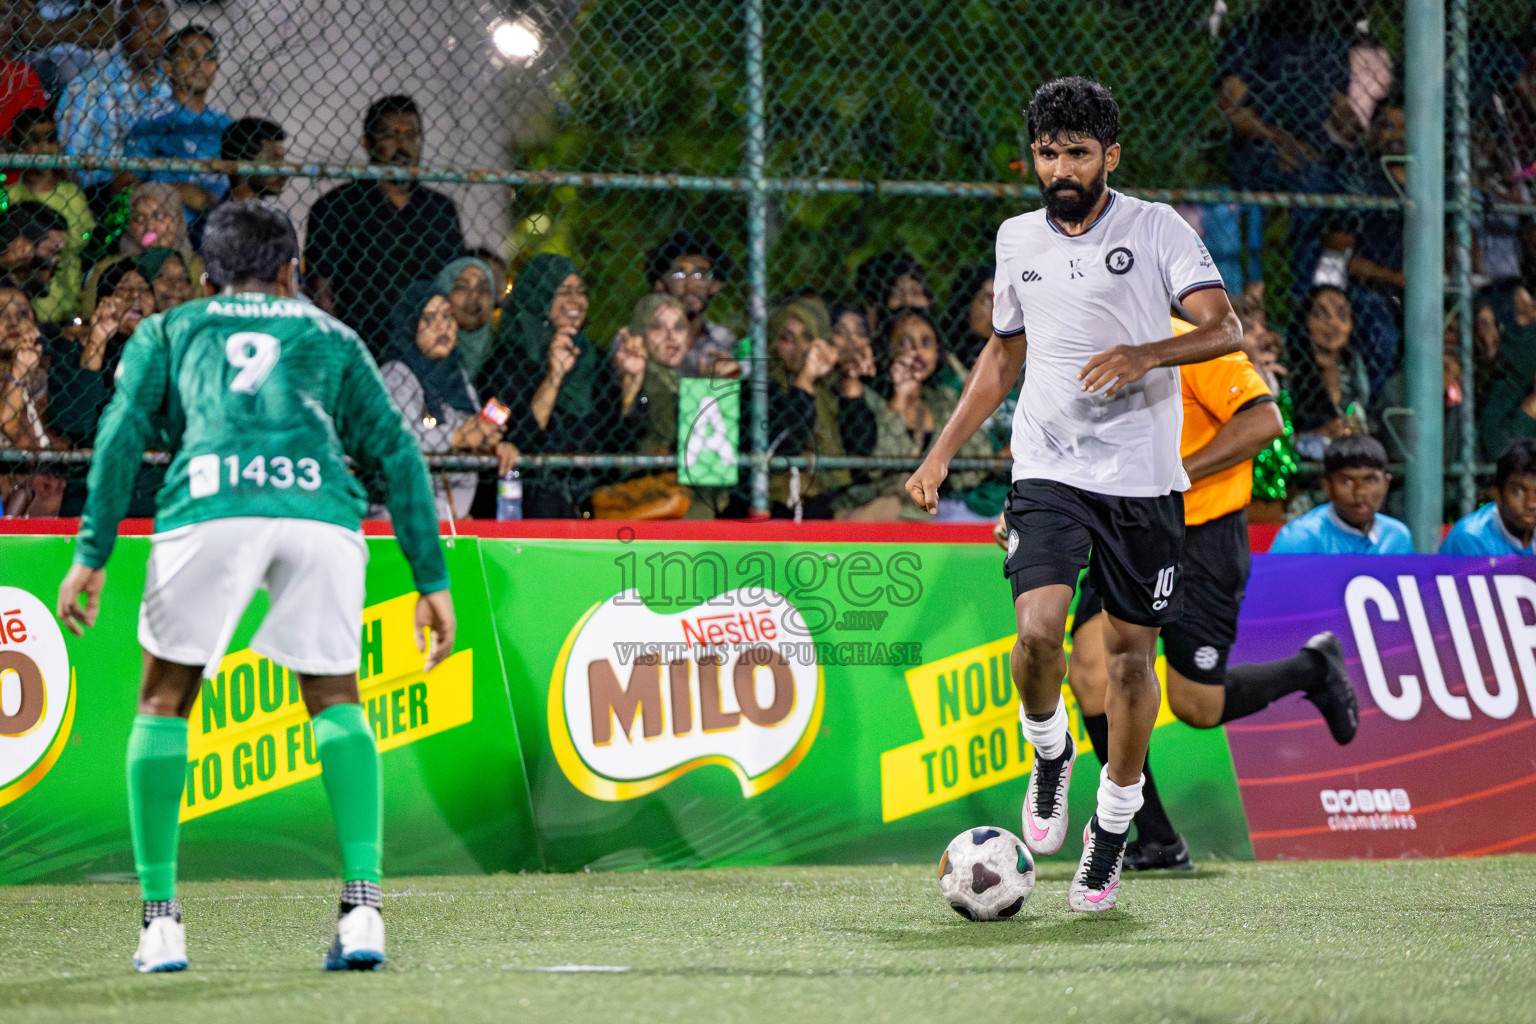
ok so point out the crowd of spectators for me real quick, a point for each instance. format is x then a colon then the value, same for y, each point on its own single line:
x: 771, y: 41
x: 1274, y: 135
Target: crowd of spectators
x: 872, y: 365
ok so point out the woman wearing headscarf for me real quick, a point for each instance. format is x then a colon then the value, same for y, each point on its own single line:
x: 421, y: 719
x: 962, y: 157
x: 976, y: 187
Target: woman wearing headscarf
x: 166, y: 271
x: 910, y: 405
x: 563, y: 395
x: 473, y: 286
x: 805, y: 416
x: 83, y: 368
x: 422, y: 372
x: 1506, y: 406
x: 156, y: 220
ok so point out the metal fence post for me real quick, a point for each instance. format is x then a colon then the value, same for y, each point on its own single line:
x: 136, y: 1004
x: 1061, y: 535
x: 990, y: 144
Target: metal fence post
x: 1461, y: 267
x: 757, y: 253
x: 1424, y: 267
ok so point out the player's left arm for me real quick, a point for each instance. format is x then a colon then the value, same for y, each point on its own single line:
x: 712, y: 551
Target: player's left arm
x: 1216, y: 333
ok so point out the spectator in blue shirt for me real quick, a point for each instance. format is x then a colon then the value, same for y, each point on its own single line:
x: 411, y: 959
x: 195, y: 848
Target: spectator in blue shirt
x: 185, y: 127
x: 1505, y: 525
x: 1355, y: 478
x: 113, y: 94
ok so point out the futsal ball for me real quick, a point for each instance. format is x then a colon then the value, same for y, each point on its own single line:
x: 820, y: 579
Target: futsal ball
x: 986, y: 874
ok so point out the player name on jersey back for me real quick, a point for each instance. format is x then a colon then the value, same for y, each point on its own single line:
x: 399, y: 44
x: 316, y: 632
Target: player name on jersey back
x: 1074, y: 297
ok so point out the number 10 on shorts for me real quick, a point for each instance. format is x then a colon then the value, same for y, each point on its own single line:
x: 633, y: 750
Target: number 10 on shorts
x: 205, y: 473
x: 1163, y: 590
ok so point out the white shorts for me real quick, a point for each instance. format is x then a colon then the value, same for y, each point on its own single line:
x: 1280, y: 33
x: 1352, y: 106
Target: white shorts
x: 202, y: 576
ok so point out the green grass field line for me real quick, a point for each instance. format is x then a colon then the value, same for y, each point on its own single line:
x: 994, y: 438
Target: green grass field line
x: 1349, y: 941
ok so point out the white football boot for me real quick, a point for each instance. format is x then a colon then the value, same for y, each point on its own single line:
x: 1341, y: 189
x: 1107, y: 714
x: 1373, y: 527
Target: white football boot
x: 162, y: 947
x: 1045, y: 802
x: 359, y: 942
x: 1096, y: 885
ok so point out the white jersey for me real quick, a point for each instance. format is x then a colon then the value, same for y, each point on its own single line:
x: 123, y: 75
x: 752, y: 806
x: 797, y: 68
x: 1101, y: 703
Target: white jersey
x: 1074, y: 297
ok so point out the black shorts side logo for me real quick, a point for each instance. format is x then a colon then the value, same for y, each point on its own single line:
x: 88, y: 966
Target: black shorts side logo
x: 1163, y: 589
x: 1119, y: 260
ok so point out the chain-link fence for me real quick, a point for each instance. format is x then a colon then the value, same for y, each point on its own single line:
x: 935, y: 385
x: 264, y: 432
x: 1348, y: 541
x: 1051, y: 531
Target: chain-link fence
x: 595, y: 206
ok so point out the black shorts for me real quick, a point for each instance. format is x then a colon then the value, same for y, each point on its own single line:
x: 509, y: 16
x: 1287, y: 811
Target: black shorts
x: 1130, y: 545
x: 1213, y: 578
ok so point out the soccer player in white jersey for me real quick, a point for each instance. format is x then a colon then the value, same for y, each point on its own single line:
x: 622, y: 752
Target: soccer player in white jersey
x: 1084, y: 287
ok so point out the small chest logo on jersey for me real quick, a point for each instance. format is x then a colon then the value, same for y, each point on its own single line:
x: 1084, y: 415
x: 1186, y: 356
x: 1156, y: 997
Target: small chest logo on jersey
x: 1030, y: 277
x: 1120, y: 260
x: 1075, y: 269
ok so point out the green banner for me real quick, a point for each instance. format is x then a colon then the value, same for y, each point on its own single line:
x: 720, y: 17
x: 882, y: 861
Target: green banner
x: 708, y: 431
x: 731, y: 703
x: 455, y: 797
x: 609, y: 705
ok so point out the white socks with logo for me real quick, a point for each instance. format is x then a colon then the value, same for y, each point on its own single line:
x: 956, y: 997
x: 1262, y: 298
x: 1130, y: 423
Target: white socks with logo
x: 1048, y: 736
x: 1118, y: 804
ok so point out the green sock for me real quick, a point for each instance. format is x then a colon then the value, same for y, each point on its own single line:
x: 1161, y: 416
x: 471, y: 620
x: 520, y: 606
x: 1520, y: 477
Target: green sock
x: 157, y: 774
x: 349, y: 764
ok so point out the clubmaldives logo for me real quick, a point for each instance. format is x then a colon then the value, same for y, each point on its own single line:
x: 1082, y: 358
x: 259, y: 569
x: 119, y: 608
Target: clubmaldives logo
x: 638, y: 698
x: 1367, y: 810
x: 37, y: 693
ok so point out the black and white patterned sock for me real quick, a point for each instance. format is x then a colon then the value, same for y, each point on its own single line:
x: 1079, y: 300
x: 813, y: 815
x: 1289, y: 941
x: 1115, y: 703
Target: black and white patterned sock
x: 361, y: 894
x: 161, y: 908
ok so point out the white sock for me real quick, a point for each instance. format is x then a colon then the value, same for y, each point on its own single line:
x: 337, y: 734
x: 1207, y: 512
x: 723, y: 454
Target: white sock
x: 1049, y: 738
x: 1118, y: 804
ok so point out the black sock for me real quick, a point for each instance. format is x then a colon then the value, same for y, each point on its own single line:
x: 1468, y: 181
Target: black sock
x: 1253, y: 688
x: 1097, y: 728
x: 1152, y: 822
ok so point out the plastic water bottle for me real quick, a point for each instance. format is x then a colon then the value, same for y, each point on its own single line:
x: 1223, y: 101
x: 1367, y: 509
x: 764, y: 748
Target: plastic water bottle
x: 509, y: 496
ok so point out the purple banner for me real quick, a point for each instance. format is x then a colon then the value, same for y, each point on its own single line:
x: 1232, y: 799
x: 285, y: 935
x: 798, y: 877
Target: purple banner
x: 1440, y: 651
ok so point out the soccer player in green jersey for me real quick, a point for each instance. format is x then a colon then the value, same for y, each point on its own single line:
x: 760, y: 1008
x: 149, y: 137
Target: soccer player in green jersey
x: 262, y: 398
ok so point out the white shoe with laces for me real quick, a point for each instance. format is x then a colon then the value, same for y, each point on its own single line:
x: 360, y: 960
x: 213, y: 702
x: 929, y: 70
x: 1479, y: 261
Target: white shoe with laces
x: 359, y: 942
x: 162, y: 947
x: 1045, y: 802
x: 1096, y: 886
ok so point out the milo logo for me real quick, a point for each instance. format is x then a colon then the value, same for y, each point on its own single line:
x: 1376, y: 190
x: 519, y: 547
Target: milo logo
x: 37, y: 704
x: 639, y: 698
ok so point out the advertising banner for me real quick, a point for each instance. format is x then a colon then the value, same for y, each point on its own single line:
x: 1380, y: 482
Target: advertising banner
x: 455, y: 799
x: 675, y: 704
x: 1440, y: 650
x: 685, y: 703
x: 644, y: 703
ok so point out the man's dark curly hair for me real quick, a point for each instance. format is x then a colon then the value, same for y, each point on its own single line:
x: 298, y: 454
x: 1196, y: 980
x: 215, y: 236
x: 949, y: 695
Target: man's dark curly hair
x: 1072, y: 109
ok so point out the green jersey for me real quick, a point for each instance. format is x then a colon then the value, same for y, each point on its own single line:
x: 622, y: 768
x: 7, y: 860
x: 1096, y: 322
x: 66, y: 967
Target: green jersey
x: 262, y: 398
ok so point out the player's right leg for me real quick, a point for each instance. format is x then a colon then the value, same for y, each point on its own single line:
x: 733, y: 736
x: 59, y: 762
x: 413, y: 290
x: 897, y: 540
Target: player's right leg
x: 316, y: 581
x: 1048, y: 545
x: 351, y: 772
x: 198, y: 582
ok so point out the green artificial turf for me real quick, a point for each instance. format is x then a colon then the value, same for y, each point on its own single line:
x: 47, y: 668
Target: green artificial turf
x: 1369, y: 941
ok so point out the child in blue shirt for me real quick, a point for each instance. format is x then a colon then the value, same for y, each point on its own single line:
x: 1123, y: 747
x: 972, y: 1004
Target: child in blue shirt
x: 1356, y: 480
x: 1505, y: 525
